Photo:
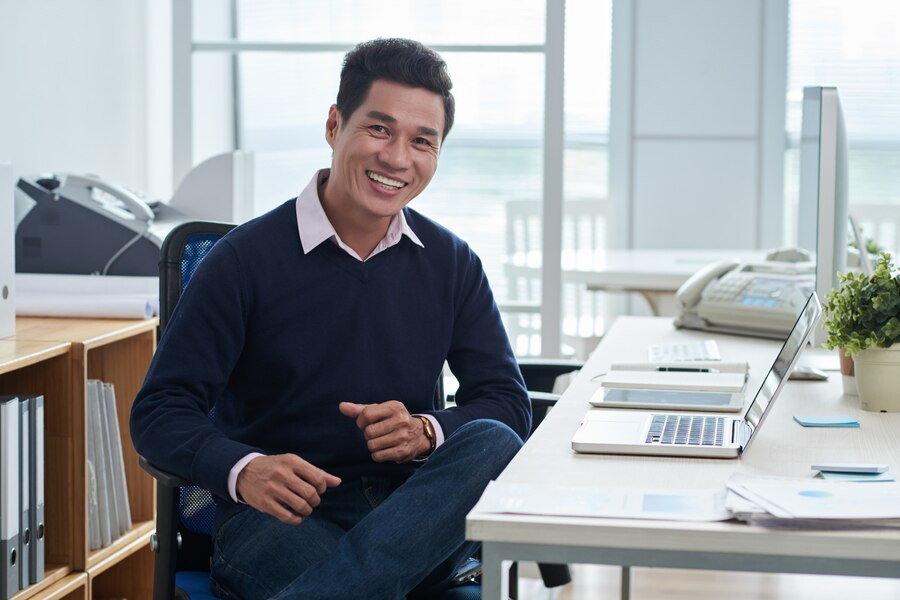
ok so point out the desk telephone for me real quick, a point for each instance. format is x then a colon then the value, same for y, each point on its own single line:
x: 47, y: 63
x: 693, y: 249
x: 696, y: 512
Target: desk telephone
x: 759, y: 299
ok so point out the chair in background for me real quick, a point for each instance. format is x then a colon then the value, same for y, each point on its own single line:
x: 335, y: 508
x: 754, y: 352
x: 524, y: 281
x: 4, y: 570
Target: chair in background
x: 880, y: 222
x: 583, y: 242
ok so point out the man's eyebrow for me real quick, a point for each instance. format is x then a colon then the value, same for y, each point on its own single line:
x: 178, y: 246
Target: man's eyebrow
x: 381, y: 116
x: 374, y: 114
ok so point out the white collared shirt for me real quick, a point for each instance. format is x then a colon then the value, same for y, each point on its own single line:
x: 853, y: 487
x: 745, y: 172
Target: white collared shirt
x: 315, y: 227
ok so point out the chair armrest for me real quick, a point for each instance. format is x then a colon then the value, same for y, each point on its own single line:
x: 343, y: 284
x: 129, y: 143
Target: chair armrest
x: 163, y: 477
x: 540, y: 373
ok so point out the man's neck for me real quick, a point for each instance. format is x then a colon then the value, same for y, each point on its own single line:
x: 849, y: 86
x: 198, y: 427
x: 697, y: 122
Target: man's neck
x: 358, y: 232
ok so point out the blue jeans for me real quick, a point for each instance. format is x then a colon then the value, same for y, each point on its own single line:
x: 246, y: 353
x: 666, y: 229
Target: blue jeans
x: 369, y: 538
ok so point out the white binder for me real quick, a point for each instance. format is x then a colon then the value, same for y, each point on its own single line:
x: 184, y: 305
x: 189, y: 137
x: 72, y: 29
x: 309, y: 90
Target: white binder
x: 24, y: 492
x: 118, y: 462
x: 9, y: 499
x: 107, y: 467
x: 36, y: 492
x: 103, y: 508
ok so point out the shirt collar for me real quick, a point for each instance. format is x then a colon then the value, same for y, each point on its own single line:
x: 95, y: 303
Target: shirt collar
x: 315, y: 227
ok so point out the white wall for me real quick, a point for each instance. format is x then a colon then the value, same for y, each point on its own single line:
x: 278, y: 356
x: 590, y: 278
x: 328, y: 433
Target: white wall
x: 79, y: 91
x: 697, y: 122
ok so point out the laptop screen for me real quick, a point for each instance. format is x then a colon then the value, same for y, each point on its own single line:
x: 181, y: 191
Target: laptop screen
x: 783, y: 365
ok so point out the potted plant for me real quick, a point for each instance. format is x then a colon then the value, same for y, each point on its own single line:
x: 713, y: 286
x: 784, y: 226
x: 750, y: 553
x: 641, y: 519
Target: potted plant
x: 863, y: 318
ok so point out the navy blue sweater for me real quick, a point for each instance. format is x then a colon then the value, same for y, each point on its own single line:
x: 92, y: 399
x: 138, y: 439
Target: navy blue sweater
x: 276, y: 339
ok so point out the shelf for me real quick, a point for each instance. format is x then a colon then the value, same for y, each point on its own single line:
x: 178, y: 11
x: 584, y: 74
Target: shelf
x: 52, y: 575
x: 55, y: 357
x: 131, y: 576
x: 49, y: 372
x: 129, y: 542
x: 89, y: 332
x: 18, y: 354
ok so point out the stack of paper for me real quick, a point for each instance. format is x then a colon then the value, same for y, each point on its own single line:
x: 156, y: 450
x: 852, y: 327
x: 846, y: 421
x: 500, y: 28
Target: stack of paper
x: 109, y: 513
x: 103, y: 296
x: 707, y: 376
x: 596, y: 501
x: 807, y: 502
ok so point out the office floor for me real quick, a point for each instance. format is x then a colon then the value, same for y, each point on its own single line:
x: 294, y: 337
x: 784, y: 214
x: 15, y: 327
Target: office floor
x: 597, y: 582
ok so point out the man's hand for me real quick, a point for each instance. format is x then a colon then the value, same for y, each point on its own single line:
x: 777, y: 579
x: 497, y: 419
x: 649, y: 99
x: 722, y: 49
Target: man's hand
x: 391, y: 433
x: 284, y: 486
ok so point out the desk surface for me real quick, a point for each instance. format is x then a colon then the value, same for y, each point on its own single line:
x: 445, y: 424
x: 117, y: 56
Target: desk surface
x: 781, y: 448
x: 652, y: 270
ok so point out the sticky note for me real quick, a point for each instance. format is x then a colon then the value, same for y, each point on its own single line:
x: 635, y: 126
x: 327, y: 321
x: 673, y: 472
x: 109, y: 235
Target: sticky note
x: 826, y: 421
x: 855, y: 476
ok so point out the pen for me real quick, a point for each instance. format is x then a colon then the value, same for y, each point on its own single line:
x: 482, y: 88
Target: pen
x: 685, y: 370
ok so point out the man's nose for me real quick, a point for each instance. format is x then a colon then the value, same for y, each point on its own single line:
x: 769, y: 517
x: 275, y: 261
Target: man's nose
x: 395, y: 154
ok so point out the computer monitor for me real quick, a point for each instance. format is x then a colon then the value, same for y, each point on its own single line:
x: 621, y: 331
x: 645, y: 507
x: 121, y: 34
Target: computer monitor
x: 823, y: 213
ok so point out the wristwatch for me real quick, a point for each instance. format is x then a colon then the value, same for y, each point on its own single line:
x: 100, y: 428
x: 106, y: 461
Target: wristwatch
x: 428, y: 428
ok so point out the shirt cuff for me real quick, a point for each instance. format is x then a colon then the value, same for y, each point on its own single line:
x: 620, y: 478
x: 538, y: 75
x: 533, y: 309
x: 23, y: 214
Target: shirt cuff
x: 235, y: 471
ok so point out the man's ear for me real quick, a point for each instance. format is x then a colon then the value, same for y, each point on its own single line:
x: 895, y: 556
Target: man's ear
x: 332, y: 125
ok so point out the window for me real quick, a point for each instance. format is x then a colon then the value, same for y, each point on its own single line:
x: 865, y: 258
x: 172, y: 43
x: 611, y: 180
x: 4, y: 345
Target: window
x: 489, y: 186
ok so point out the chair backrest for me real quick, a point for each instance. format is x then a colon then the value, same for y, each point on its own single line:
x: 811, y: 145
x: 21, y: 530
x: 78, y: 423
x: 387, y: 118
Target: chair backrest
x: 181, y: 253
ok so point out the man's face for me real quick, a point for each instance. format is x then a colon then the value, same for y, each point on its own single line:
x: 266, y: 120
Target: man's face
x: 386, y: 153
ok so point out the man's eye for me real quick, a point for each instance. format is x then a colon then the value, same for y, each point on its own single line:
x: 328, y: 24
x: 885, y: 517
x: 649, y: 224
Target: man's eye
x: 423, y: 141
x: 378, y: 128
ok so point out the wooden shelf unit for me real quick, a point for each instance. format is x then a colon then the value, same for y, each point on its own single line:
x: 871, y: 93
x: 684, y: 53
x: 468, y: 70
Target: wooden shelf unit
x: 55, y: 357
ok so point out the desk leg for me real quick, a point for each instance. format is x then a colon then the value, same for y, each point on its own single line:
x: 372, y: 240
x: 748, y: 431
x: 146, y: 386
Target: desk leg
x: 491, y: 573
x: 626, y: 582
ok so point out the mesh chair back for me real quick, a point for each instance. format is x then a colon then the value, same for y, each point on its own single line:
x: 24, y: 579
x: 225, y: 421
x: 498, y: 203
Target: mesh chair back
x: 183, y: 251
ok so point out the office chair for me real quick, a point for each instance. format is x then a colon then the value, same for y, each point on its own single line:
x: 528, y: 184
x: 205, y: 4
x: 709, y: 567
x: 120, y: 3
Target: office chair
x: 185, y: 513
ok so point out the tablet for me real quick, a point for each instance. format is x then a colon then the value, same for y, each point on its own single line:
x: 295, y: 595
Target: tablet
x: 668, y: 400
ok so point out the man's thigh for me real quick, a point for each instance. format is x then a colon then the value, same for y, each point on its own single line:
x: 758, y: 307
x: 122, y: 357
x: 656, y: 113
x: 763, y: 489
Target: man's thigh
x: 256, y: 555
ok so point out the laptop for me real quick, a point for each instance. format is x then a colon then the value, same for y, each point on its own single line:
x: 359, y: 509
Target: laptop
x: 695, y: 434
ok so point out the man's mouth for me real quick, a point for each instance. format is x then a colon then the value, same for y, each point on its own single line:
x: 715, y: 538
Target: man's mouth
x: 387, y: 181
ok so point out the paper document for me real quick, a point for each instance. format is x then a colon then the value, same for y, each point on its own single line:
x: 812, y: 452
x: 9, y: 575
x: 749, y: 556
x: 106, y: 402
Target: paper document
x: 821, y: 499
x: 539, y: 499
x: 674, y: 380
x: 32, y: 304
x: 106, y: 296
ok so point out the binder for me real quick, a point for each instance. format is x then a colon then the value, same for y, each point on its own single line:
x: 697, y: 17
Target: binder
x: 9, y: 499
x: 107, y: 467
x: 103, y: 507
x: 118, y: 462
x: 24, y: 491
x: 36, y: 492
x: 93, y: 483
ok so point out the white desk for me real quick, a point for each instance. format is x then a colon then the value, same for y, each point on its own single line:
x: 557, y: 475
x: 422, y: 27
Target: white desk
x: 782, y: 448
x: 655, y: 274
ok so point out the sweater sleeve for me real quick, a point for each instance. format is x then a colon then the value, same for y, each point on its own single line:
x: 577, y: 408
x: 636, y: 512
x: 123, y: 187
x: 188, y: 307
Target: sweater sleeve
x: 193, y: 362
x: 480, y: 356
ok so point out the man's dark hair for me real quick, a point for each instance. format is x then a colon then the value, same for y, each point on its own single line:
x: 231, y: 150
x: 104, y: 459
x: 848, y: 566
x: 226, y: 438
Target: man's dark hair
x: 395, y: 59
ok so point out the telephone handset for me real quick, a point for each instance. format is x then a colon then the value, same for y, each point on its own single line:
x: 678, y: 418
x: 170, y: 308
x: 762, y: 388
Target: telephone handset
x: 760, y: 299
x: 139, y: 209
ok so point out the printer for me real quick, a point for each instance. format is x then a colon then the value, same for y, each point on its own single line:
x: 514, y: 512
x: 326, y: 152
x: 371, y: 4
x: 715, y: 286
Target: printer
x: 80, y: 224
x: 83, y: 225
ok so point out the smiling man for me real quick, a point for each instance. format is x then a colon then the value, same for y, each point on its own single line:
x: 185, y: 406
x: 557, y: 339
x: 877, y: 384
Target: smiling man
x: 318, y: 331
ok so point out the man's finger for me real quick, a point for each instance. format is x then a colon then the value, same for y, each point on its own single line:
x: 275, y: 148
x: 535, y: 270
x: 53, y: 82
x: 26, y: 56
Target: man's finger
x: 318, y: 478
x: 277, y: 510
x: 351, y: 409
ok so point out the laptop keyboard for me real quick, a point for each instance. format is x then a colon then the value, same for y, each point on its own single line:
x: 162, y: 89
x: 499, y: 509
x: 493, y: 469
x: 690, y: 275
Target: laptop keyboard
x: 686, y: 430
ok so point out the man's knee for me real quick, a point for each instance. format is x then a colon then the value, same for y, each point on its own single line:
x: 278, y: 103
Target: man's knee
x: 494, y: 441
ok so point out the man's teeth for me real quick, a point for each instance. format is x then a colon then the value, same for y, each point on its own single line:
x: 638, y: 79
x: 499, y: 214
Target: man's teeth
x: 386, y: 181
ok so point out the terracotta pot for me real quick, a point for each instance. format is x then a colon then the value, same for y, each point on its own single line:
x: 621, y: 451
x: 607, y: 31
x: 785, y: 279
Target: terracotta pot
x: 848, y: 381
